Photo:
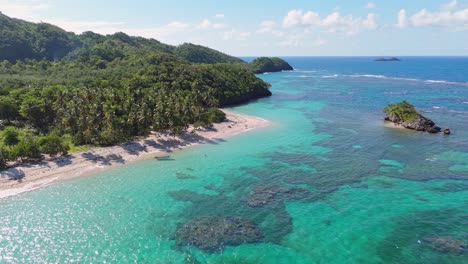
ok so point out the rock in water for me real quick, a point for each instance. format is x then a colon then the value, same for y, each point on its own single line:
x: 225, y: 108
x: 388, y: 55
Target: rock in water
x: 419, y: 124
x: 404, y: 114
x: 213, y: 233
x: 267, y: 194
x: 446, y: 244
x: 184, y: 176
x: 447, y: 131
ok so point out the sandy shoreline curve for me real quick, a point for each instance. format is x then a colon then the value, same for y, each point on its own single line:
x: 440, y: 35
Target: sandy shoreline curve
x: 32, y: 176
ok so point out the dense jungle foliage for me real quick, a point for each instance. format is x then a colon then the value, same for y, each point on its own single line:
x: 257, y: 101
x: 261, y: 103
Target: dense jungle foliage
x: 59, y: 89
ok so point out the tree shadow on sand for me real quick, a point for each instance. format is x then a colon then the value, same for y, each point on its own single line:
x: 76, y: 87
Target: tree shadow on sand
x: 104, y: 160
x: 13, y: 174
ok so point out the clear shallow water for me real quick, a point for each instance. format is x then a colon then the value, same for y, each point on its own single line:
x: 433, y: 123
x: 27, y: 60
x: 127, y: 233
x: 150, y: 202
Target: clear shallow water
x: 374, y: 191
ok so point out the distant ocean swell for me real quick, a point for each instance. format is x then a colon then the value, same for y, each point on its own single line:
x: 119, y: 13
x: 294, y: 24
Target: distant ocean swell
x: 373, y: 76
x: 396, y: 78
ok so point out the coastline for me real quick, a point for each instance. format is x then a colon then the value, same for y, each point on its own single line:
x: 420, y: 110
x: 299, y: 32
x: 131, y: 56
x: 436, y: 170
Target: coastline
x: 28, y: 177
x: 393, y: 125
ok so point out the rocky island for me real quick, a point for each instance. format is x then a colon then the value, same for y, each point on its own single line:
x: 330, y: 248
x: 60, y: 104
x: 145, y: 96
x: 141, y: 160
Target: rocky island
x: 264, y: 64
x: 404, y: 115
x: 388, y: 59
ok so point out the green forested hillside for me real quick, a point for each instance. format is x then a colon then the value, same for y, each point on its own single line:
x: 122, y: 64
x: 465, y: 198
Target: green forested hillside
x: 264, y: 64
x: 200, y: 54
x: 21, y: 40
x: 57, y: 88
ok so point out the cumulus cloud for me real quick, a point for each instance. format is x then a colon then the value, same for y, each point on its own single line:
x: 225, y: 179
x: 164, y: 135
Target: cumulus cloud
x: 334, y: 22
x: 161, y: 32
x: 371, y: 5
x: 269, y: 27
x: 22, y: 9
x: 207, y: 24
x: 234, y: 34
x: 448, y: 16
x: 219, y: 16
x: 266, y: 26
x: 449, y: 6
x: 402, y: 19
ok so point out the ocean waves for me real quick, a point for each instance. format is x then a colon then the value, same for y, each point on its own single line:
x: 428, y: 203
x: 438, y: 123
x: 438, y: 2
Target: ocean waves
x: 372, y: 76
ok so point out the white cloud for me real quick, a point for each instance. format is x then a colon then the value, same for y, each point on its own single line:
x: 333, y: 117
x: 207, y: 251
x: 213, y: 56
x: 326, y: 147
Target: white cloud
x: 207, y: 24
x: 266, y: 26
x: 371, y: 5
x: 171, y: 28
x: 319, y: 42
x: 219, y: 16
x: 103, y: 27
x: 447, y: 17
x: 402, y: 19
x: 334, y: 22
x: 234, y: 34
x: 269, y: 26
x: 292, y: 42
x: 22, y: 9
x: 449, y: 6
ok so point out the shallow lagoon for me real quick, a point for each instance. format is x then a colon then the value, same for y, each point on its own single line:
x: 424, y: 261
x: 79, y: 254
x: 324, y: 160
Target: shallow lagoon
x: 373, y: 192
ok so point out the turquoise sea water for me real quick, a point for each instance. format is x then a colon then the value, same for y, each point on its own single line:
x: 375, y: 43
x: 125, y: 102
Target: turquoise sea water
x: 374, y: 192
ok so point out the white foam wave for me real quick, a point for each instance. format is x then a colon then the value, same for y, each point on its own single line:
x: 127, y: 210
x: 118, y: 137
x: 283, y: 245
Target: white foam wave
x: 376, y: 76
x: 406, y: 79
x: 304, y: 71
x: 436, y: 107
x: 330, y: 76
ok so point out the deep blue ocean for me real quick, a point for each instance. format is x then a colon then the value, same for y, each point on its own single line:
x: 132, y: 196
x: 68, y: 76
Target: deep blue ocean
x: 338, y: 185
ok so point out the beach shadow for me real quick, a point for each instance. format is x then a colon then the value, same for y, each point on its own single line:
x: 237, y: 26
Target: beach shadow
x: 134, y: 148
x: 33, y: 164
x: 63, y: 161
x: 92, y: 157
x: 104, y: 160
x: 115, y: 158
x: 189, y: 138
x: 157, y: 145
x: 13, y: 174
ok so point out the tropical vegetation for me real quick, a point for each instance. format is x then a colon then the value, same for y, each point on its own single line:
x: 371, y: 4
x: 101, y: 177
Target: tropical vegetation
x: 59, y: 89
x: 403, y: 111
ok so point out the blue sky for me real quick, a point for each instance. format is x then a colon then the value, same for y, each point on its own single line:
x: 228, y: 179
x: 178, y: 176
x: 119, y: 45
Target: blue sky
x: 254, y: 28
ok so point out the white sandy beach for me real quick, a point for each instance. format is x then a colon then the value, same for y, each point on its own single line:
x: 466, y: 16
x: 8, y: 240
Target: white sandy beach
x: 32, y: 176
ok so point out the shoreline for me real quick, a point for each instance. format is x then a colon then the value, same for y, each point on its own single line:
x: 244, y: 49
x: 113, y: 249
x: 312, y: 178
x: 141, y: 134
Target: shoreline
x: 393, y: 125
x: 32, y: 176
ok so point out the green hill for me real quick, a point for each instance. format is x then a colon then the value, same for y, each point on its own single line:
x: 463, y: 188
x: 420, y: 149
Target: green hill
x: 21, y: 40
x: 265, y: 64
x: 200, y: 54
x: 101, y: 90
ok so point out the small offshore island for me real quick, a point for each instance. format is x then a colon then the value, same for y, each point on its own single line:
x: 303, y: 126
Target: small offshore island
x: 404, y: 115
x: 388, y: 59
x: 265, y: 65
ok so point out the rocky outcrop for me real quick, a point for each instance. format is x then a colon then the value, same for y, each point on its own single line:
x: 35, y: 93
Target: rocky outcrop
x: 388, y: 59
x: 446, y: 244
x: 421, y: 123
x: 404, y: 114
x: 214, y: 233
